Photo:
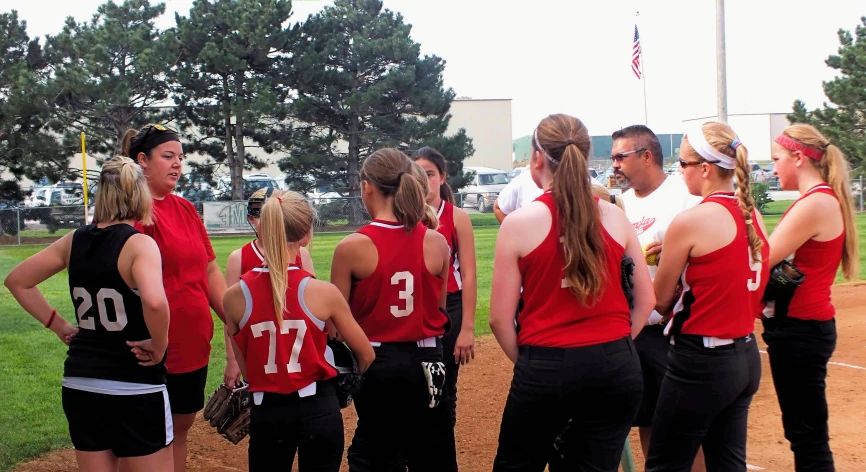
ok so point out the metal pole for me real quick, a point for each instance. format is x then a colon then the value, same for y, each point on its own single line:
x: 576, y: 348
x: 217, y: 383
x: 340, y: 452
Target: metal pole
x: 721, y: 73
x: 18, y: 221
x: 861, y: 193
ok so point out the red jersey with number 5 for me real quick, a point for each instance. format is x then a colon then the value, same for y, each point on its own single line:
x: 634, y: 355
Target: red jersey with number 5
x: 281, y: 359
x: 251, y: 257
x: 399, y: 301
x: 722, y: 290
x: 447, y: 229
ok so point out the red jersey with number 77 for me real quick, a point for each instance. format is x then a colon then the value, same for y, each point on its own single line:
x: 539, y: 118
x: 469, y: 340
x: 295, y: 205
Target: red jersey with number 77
x: 281, y: 358
x: 722, y: 290
x: 399, y: 301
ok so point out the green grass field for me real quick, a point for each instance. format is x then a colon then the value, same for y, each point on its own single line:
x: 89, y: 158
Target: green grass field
x: 31, y: 357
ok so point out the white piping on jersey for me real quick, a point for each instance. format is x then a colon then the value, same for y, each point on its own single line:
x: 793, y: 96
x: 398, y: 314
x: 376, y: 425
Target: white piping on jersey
x: 457, y: 277
x: 135, y: 291
x: 301, y: 289
x: 680, y: 305
x: 265, y: 269
x: 248, y: 298
x: 441, y: 208
x: 257, y: 252
x: 732, y: 197
x: 817, y: 187
x: 110, y: 387
x: 385, y: 225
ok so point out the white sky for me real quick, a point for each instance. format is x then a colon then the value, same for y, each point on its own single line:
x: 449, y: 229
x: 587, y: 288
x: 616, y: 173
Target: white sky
x: 554, y: 56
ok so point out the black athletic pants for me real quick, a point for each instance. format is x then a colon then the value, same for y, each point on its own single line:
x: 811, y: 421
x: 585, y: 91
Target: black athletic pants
x: 799, y: 351
x: 396, y: 426
x: 283, y: 424
x: 454, y: 307
x: 598, y: 387
x: 704, y: 400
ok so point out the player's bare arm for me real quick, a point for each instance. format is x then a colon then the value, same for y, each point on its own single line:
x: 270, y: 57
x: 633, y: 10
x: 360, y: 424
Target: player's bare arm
x: 465, y: 346
x: 23, y: 280
x: 146, y: 272
x: 678, y: 244
x: 802, y: 223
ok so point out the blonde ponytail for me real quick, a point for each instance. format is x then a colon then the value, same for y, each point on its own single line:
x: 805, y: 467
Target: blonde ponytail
x: 276, y: 251
x: 123, y: 193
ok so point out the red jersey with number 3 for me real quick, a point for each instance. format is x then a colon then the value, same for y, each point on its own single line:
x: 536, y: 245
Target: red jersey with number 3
x: 281, y: 359
x: 819, y: 261
x: 399, y: 301
x: 251, y: 257
x: 449, y: 231
x: 722, y: 290
x: 552, y: 315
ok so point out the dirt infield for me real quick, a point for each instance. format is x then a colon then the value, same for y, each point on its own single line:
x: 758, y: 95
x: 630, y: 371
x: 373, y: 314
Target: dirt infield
x: 484, y: 386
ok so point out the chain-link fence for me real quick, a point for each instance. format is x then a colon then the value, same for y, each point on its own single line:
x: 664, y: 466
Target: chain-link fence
x: 43, y: 225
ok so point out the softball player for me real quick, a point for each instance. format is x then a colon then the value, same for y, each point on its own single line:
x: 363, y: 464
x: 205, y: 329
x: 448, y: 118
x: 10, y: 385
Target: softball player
x: 573, y: 353
x: 114, y: 393
x: 454, y: 224
x: 817, y: 234
x: 246, y: 259
x: 720, y: 254
x: 295, y: 407
x: 394, y: 273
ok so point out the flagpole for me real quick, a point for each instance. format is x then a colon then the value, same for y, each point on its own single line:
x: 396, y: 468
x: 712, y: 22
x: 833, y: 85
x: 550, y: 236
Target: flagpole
x: 721, y: 69
x: 643, y: 77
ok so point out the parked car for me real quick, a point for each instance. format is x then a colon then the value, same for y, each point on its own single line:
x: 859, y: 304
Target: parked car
x: 484, y: 187
x: 517, y: 171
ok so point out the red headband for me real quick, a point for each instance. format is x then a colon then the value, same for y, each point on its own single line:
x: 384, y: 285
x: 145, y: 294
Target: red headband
x: 793, y: 145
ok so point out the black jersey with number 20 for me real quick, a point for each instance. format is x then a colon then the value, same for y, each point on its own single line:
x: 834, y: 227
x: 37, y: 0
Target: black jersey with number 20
x: 109, y: 313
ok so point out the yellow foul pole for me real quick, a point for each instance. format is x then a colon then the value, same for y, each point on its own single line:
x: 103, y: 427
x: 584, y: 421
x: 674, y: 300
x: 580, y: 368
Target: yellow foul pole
x: 84, y: 173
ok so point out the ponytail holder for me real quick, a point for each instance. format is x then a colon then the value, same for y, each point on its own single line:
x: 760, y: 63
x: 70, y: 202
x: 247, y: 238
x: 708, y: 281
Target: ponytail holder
x: 51, y: 319
x: 280, y: 200
x: 568, y: 143
x: 748, y: 221
x: 736, y: 144
x: 400, y: 176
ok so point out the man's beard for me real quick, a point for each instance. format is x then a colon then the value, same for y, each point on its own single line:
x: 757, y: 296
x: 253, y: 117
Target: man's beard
x: 624, y: 182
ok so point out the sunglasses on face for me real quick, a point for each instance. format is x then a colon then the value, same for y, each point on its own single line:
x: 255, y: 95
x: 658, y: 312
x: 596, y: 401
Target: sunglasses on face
x: 684, y: 164
x: 619, y: 157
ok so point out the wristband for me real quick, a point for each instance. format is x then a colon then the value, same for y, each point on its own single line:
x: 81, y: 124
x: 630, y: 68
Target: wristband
x: 51, y: 319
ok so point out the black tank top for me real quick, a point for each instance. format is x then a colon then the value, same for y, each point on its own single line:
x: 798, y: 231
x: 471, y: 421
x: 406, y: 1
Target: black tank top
x: 109, y: 312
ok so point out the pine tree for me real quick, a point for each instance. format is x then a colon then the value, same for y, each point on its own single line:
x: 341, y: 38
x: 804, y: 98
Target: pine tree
x: 843, y: 120
x: 225, y: 87
x: 362, y: 85
x: 109, y: 74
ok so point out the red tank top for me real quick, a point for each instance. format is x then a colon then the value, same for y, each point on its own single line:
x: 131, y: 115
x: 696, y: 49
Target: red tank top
x: 251, y: 257
x: 819, y: 261
x: 281, y: 359
x: 399, y: 301
x: 552, y: 316
x: 446, y: 228
x: 722, y: 290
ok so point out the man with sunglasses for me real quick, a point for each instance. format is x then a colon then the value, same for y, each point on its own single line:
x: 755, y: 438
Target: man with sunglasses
x: 652, y: 199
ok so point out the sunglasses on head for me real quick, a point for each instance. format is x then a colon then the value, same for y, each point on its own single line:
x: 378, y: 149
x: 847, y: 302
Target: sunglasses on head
x: 153, y: 128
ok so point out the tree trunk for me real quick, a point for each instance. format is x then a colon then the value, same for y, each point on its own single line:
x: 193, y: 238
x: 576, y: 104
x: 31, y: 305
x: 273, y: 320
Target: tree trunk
x: 238, y: 167
x: 355, y: 206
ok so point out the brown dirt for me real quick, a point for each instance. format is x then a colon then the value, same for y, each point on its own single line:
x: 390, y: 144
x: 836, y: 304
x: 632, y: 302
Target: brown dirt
x: 484, y: 386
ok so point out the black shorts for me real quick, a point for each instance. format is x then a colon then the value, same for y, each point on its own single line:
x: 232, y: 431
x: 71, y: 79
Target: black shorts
x: 127, y: 425
x: 186, y: 391
x: 652, y: 348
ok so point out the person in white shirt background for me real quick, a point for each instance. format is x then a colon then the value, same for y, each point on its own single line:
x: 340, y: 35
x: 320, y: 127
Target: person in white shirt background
x: 519, y: 192
x: 652, y: 199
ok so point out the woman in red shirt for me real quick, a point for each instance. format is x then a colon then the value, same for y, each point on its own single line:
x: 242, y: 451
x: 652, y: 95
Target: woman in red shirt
x: 718, y: 252
x: 193, y: 281
x: 572, y: 347
x: 817, y: 234
x: 459, y: 344
x: 281, y: 344
x: 394, y: 272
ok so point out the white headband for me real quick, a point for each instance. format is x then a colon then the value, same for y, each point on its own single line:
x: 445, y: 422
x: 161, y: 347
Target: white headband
x: 538, y: 145
x: 709, y: 153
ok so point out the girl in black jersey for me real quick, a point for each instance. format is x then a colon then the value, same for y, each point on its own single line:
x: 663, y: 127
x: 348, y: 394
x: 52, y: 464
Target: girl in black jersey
x: 114, y: 392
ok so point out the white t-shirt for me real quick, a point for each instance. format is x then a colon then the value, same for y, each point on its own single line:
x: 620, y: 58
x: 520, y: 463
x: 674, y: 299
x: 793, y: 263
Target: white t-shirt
x: 520, y: 192
x: 651, y: 215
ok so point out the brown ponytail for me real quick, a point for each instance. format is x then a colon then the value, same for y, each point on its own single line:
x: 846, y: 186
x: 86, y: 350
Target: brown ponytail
x: 564, y: 141
x: 126, y: 146
x: 395, y: 174
x: 437, y: 159
x: 834, y: 170
x: 287, y: 218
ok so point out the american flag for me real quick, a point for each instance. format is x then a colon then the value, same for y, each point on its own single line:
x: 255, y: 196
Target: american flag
x: 635, y: 54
